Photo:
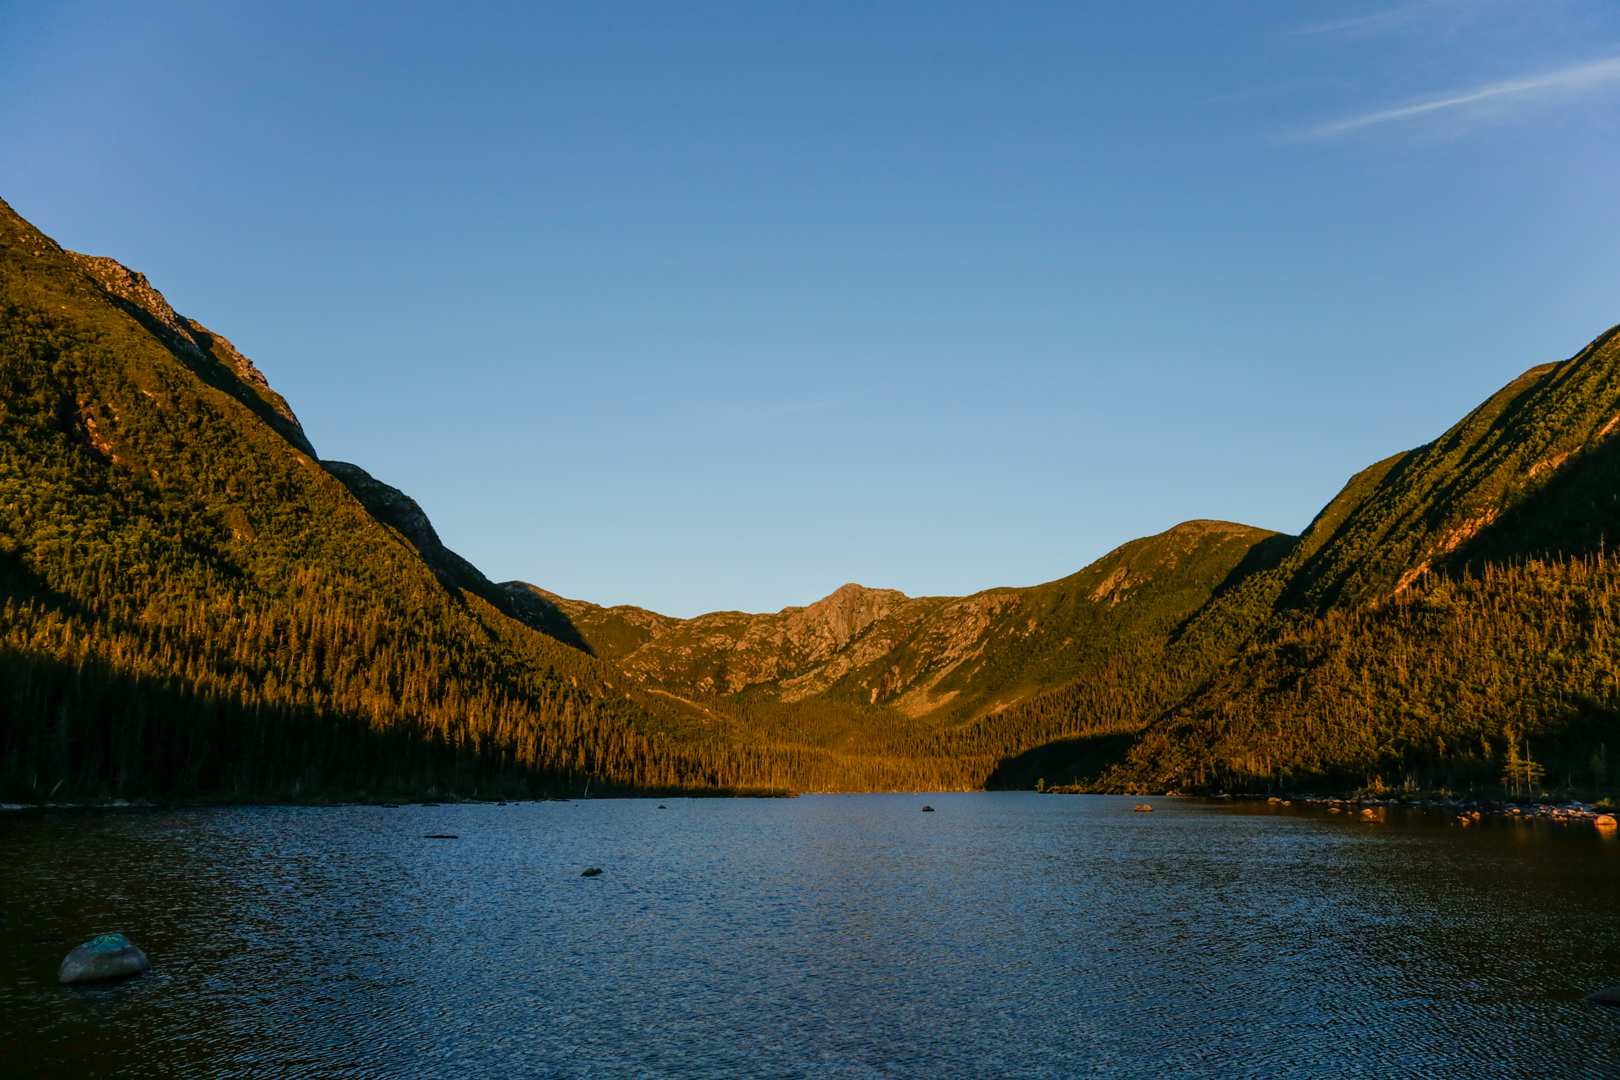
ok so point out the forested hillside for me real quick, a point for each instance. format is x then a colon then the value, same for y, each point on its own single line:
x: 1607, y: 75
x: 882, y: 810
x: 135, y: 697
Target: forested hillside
x: 196, y: 605
x: 1445, y: 620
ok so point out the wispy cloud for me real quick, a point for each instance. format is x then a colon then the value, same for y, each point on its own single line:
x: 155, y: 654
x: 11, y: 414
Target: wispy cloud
x: 1569, y: 80
x: 1383, y: 20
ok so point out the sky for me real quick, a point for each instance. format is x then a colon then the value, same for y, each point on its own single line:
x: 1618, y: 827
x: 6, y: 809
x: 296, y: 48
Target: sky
x: 704, y: 306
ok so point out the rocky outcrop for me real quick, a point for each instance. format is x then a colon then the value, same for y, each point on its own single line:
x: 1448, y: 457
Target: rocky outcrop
x: 207, y: 353
x: 397, y: 510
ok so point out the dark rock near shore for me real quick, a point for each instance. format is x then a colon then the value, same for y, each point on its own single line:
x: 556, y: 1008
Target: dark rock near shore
x: 927, y: 810
x: 110, y: 956
x: 592, y: 872
x: 1607, y: 996
x: 440, y: 836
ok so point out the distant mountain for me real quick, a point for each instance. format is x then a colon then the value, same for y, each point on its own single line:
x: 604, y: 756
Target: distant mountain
x: 949, y: 657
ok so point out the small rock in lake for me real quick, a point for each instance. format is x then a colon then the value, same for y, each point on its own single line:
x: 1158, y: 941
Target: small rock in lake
x: 440, y: 836
x: 1144, y: 809
x: 1608, y: 996
x: 1605, y: 821
x: 1334, y: 810
x: 110, y: 956
x: 592, y: 872
x: 661, y: 806
x: 926, y: 810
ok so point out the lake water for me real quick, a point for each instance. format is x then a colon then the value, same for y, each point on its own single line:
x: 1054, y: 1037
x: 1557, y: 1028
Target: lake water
x: 1004, y: 935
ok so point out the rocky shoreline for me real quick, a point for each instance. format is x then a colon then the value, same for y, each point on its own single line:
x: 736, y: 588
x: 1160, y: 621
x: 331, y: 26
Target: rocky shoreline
x: 1465, y: 812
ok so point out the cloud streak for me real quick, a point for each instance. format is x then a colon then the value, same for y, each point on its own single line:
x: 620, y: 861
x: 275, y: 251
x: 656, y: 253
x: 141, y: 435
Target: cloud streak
x: 1384, y: 20
x: 1576, y: 79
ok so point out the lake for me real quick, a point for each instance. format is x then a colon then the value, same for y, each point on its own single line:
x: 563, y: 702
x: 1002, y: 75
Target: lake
x: 1004, y: 935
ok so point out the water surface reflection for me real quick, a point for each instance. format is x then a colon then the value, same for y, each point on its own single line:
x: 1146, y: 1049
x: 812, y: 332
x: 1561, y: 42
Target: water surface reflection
x: 1006, y: 935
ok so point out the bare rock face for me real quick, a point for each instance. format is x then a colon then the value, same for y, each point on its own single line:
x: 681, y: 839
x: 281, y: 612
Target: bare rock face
x: 110, y: 956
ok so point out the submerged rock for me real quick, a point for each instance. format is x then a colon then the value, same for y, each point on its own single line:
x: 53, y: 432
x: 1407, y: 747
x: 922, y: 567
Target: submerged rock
x: 1607, y: 996
x: 926, y: 810
x: 592, y: 872
x: 110, y: 956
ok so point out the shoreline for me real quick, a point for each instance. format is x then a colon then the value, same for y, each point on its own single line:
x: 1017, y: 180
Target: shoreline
x: 1464, y: 812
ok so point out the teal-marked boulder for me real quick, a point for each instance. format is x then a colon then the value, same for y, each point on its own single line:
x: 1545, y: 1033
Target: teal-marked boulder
x: 110, y: 956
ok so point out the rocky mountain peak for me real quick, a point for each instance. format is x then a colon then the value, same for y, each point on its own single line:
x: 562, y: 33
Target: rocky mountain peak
x: 848, y: 610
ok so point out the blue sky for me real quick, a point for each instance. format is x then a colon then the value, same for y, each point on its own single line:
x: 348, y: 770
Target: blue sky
x: 707, y: 306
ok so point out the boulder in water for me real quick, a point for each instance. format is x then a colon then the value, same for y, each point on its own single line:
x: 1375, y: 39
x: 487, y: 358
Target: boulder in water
x: 592, y: 872
x: 1608, y: 996
x: 110, y: 956
x: 927, y: 810
x: 1604, y: 821
x: 1144, y: 809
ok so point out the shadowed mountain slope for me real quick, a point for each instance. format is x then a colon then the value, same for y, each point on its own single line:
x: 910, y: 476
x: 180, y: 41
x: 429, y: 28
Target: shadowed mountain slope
x: 193, y: 603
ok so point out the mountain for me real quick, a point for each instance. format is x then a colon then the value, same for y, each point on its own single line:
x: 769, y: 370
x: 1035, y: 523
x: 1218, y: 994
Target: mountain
x: 195, y: 604
x: 1442, y: 622
x: 869, y: 688
x: 952, y: 658
x: 1445, y: 621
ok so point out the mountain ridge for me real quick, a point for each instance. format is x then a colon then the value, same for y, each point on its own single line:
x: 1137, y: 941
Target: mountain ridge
x: 195, y: 602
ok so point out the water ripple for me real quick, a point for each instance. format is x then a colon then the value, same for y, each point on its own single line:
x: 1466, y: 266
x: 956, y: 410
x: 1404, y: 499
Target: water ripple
x: 1006, y: 935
